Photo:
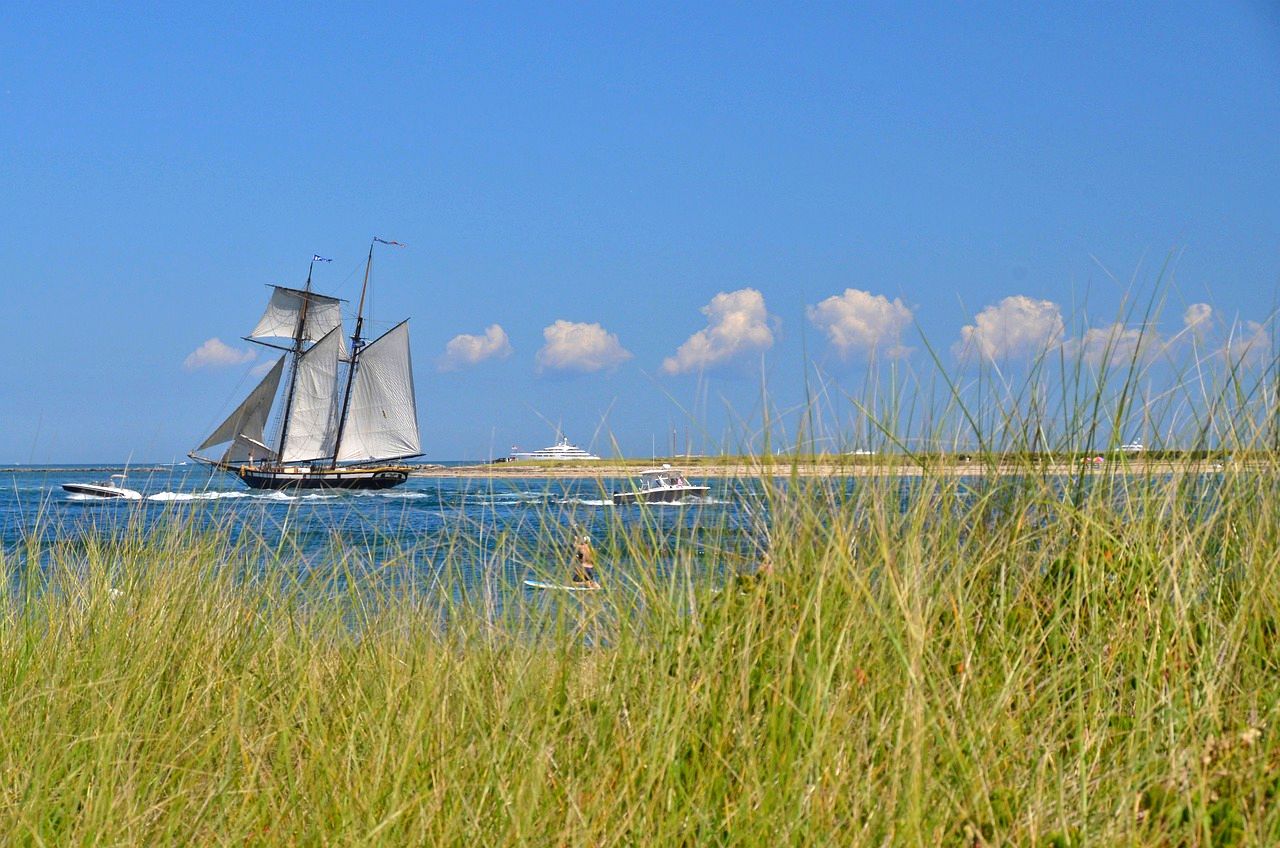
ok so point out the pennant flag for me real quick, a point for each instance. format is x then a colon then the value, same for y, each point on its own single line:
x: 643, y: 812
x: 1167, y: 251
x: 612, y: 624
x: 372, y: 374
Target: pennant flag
x: 387, y: 241
x: 315, y: 257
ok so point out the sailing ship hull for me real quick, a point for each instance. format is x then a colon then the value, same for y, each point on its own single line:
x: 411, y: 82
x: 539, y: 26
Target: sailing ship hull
x: 353, y: 479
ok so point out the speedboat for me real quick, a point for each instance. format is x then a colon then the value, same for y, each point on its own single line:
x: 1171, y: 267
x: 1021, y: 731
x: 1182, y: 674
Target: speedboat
x: 660, y: 485
x: 107, y: 491
x: 561, y: 450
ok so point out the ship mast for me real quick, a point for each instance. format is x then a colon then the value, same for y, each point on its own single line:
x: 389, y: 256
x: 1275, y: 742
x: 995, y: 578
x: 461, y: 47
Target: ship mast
x: 299, y: 333
x: 357, y: 342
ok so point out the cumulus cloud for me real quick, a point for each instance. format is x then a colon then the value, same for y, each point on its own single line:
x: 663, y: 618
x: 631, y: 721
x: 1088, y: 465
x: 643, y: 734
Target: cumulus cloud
x: 737, y: 324
x: 465, y: 350
x: 261, y: 369
x: 1197, y: 316
x: 215, y: 353
x: 1016, y: 326
x: 862, y: 322
x: 581, y: 347
x: 1248, y: 342
x: 1116, y: 345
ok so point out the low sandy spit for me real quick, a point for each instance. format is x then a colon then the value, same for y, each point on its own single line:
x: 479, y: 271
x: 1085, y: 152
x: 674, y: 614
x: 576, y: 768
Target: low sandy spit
x: 781, y: 468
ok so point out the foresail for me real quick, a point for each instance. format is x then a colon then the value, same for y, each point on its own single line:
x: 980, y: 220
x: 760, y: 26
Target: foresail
x: 382, y: 418
x: 313, y: 412
x: 250, y: 417
x: 281, y: 318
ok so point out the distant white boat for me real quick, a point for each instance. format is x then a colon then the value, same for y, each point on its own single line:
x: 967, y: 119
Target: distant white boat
x: 660, y: 485
x: 561, y: 450
x: 107, y: 491
x: 1132, y: 447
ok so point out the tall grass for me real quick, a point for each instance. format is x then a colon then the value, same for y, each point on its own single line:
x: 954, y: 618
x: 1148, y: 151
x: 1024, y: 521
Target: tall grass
x: 1063, y: 658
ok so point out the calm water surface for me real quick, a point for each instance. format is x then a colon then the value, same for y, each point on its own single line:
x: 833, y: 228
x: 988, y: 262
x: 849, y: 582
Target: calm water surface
x: 497, y: 531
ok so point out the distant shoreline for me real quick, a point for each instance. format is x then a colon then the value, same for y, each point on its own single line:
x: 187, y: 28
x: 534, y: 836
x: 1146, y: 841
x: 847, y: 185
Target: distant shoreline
x: 84, y: 469
x: 782, y: 468
x: 729, y: 469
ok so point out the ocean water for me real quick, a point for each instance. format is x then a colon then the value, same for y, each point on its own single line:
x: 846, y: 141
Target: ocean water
x: 483, y: 533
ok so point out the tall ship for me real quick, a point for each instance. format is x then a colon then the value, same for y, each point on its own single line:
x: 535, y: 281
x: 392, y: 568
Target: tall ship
x: 346, y: 418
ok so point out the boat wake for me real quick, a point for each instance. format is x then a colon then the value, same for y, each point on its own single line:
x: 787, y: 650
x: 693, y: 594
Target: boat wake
x: 509, y: 498
x: 185, y: 497
x: 391, y: 495
x: 689, y: 501
x: 195, y: 496
x: 584, y: 502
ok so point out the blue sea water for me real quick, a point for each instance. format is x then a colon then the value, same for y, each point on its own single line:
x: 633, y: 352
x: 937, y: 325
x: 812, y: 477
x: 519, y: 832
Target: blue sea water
x: 490, y: 531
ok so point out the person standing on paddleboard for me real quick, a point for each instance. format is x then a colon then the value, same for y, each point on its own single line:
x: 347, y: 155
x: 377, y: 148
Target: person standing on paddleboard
x: 584, y: 561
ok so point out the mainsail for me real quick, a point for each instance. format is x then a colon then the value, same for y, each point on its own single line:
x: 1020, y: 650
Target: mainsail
x: 382, y: 416
x: 313, y: 412
x: 244, y: 427
x: 285, y: 309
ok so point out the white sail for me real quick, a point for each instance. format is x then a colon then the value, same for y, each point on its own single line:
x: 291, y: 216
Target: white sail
x: 313, y: 412
x: 249, y: 419
x: 244, y: 449
x: 280, y: 321
x: 382, y: 418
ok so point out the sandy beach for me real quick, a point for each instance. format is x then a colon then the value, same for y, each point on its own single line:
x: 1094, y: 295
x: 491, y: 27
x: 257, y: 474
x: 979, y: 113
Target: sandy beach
x: 782, y: 468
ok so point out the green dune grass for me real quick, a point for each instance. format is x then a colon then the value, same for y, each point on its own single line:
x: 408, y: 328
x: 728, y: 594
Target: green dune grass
x: 1028, y: 659
x: 988, y: 666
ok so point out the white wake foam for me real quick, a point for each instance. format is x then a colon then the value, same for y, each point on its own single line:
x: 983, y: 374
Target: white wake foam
x: 196, y: 496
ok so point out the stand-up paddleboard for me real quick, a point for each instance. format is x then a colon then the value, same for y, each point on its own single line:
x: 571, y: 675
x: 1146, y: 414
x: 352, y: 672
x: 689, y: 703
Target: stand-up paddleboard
x: 538, y: 584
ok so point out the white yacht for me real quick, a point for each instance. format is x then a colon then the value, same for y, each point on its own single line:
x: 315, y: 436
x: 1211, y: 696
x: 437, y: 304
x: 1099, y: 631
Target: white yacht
x: 660, y: 485
x: 110, y: 490
x: 561, y: 450
x: 1132, y: 447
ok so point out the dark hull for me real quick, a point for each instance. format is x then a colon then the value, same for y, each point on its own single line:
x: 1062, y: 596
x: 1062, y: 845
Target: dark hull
x: 663, y: 495
x: 348, y: 479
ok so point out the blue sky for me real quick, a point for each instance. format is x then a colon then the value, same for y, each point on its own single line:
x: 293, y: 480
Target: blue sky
x: 614, y: 168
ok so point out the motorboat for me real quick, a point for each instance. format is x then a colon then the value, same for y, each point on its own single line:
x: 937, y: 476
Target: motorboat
x: 107, y: 491
x: 561, y: 450
x: 660, y: 485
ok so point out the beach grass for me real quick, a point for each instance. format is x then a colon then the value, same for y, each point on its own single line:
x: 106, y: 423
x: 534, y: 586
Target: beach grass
x: 986, y: 665
x: 1016, y: 659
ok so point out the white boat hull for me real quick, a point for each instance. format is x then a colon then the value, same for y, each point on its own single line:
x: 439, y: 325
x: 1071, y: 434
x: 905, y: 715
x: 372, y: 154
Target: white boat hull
x: 103, y: 491
x: 664, y: 494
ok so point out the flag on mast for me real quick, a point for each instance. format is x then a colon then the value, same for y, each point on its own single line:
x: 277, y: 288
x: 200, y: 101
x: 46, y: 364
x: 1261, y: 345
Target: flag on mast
x: 388, y: 241
x: 315, y: 257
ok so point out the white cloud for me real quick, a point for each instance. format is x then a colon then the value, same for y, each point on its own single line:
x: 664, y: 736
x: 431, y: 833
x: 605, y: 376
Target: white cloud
x: 262, y: 368
x: 1113, y: 346
x: 215, y: 353
x: 572, y: 346
x: 1248, y: 342
x: 737, y: 323
x: 861, y: 321
x: 466, y: 350
x: 1018, y: 325
x: 1197, y: 316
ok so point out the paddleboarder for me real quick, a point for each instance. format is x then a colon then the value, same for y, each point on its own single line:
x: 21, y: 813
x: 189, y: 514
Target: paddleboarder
x: 584, y: 561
